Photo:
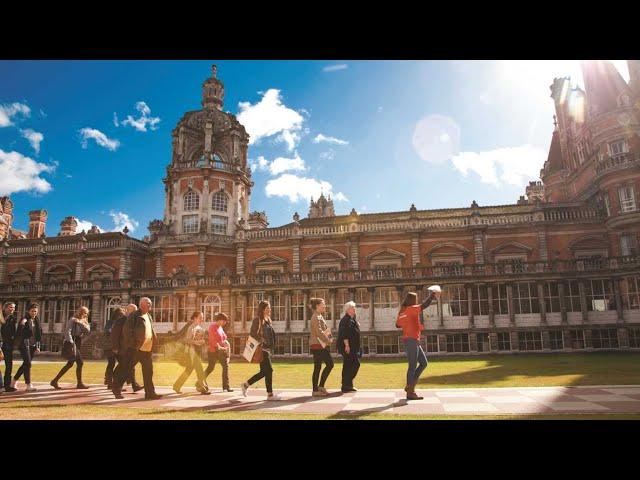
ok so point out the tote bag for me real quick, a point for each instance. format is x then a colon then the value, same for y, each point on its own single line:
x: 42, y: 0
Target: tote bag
x: 252, y: 351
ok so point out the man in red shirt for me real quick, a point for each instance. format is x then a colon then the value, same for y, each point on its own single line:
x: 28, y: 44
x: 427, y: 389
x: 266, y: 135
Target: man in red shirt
x: 219, y: 349
x: 409, y: 319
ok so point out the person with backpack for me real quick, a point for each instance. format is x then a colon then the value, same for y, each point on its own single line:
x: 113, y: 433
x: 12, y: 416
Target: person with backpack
x: 410, y: 319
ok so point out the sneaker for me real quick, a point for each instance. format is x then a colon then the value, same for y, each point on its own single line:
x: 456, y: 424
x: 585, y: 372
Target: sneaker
x: 319, y: 393
x: 177, y: 390
x: 228, y: 389
x: 273, y: 397
x: 136, y: 388
x: 323, y: 390
x: 245, y: 387
x: 55, y: 385
x: 13, y: 384
x: 30, y: 388
x: 81, y: 386
x: 118, y: 394
x: 10, y: 389
x: 153, y: 396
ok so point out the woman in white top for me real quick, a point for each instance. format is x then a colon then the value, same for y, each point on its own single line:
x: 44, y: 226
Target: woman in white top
x: 75, y: 330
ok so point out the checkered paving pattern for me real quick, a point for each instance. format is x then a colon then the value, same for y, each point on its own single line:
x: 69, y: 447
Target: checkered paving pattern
x: 463, y: 401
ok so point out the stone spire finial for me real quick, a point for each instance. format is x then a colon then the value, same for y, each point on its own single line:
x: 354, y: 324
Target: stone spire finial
x: 214, y: 70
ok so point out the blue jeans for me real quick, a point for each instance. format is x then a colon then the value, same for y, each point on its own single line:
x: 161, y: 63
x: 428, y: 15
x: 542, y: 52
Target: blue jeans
x: 417, y: 359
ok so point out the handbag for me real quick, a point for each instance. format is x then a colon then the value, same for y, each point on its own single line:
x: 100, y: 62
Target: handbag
x: 68, y: 350
x: 252, y: 351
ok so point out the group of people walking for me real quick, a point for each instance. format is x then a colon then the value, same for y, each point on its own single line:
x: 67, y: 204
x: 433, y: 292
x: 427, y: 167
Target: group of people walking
x: 130, y: 338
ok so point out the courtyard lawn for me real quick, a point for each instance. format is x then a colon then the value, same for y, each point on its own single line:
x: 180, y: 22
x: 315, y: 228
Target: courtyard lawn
x: 521, y: 370
x: 50, y: 411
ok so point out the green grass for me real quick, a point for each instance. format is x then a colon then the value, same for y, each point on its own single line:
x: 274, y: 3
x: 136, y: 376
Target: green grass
x: 49, y: 411
x: 523, y: 370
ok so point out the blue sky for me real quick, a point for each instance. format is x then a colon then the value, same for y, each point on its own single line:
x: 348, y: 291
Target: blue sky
x: 92, y: 138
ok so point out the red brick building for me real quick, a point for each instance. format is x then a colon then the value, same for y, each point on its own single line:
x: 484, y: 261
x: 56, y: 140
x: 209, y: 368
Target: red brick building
x: 558, y: 270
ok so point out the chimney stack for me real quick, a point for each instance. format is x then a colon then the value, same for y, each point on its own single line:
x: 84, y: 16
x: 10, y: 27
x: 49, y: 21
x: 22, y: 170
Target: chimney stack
x: 68, y: 226
x: 37, y: 223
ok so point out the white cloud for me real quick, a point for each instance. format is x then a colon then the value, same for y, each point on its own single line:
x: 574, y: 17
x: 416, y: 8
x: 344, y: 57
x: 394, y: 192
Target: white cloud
x: 100, y: 138
x: 115, y: 119
x: 270, y: 117
x: 336, y: 141
x: 328, y: 155
x: 335, y: 67
x: 85, y: 225
x: 300, y: 188
x: 7, y: 111
x: 279, y: 165
x: 380, y: 109
x: 509, y: 165
x: 19, y: 173
x: 140, y: 123
x: 121, y: 220
x: 34, y: 138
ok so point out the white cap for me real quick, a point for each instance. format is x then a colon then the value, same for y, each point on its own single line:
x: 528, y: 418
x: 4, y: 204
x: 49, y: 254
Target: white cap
x: 435, y: 288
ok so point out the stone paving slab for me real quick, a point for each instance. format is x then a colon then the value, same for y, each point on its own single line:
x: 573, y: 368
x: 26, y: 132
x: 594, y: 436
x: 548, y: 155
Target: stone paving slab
x: 462, y: 401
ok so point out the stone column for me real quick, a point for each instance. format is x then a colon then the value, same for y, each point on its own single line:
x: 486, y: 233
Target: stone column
x: 159, y: 264
x: 515, y: 344
x: 355, y: 253
x: 440, y: 313
x: 240, y: 259
x: 372, y: 298
x: 542, y: 245
x: 470, y: 305
x: 4, y: 261
x: 623, y: 338
x: 296, y: 257
x: 493, y: 341
x: 492, y: 315
x: 306, y: 310
x: 478, y: 246
x: 96, y: 313
x: 546, y: 340
x: 332, y: 296
x: 473, y: 342
x: 40, y: 266
x: 245, y: 311
x: 80, y: 260
x: 583, y: 302
x: 287, y: 310
x: 202, y: 257
x: 618, y: 298
x: 563, y: 303
x: 543, y: 309
x: 415, y: 249
x: 512, y: 315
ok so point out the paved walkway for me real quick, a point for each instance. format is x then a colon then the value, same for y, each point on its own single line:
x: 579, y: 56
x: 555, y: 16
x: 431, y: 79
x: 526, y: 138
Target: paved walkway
x: 458, y: 401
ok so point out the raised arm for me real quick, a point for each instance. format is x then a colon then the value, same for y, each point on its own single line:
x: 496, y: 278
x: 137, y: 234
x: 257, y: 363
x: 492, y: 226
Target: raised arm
x: 427, y: 301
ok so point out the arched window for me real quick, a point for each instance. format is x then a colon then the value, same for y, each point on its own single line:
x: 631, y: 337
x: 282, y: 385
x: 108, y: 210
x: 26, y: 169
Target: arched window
x: 217, y: 161
x: 191, y: 201
x: 112, y: 304
x: 220, y: 201
x: 211, y: 305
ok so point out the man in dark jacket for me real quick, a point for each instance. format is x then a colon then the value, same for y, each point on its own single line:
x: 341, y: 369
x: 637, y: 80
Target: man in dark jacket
x: 8, y: 330
x: 117, y: 351
x: 138, y: 340
x: 349, y: 346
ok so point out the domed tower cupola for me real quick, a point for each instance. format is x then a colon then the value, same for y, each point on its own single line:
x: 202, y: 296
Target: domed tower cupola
x: 212, y: 91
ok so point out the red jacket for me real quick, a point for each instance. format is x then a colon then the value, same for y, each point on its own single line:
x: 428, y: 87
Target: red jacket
x: 409, y: 321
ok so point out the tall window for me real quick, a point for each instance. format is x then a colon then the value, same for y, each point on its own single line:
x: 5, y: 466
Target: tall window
x: 581, y: 152
x: 211, y: 305
x: 604, y: 338
x: 454, y: 301
x: 525, y: 298
x: 499, y: 299
x: 297, y: 307
x: 362, y: 298
x: 191, y: 201
x: 219, y: 224
x: 618, y: 147
x: 627, y: 244
x: 530, y: 340
x: 627, y: 199
x: 389, y: 344
x: 572, y: 296
x: 458, y: 342
x: 283, y: 346
x: 551, y: 297
x: 555, y: 339
x: 576, y: 339
x: 60, y: 311
x: 482, y: 342
x: 480, y: 300
x: 632, y: 293
x: 162, y: 308
x: 220, y: 201
x: 634, y: 337
x: 387, y: 297
x: 255, y: 298
x: 599, y: 295
x: 432, y: 343
x: 217, y: 161
x: 504, y: 341
x: 190, y: 224
x: 277, y: 306
x: 607, y: 205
